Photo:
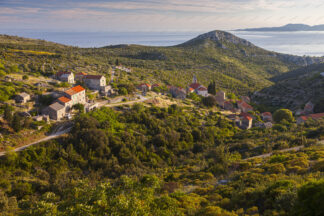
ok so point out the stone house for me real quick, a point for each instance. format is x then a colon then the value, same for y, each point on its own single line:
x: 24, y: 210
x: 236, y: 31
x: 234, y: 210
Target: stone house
x: 303, y: 119
x: 202, y: 91
x: 309, y: 108
x: 228, y: 105
x: 65, y: 77
x: 178, y: 93
x: 80, y: 76
x: 95, y: 82
x: 246, y: 122
x: 76, y: 95
x: 246, y: 99
x: 144, y: 87
x: 66, y: 102
x: 220, y: 98
x: 22, y: 97
x: 266, y: 116
x: 244, y: 107
x: 56, y: 111
x: 198, y: 88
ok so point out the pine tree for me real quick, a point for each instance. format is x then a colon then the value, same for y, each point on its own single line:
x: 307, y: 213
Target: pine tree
x: 212, y: 88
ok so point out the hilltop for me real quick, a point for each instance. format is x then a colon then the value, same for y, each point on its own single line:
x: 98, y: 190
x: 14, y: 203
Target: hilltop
x: 288, y: 27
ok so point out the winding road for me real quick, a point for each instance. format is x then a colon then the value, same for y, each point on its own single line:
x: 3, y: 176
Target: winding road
x: 52, y: 136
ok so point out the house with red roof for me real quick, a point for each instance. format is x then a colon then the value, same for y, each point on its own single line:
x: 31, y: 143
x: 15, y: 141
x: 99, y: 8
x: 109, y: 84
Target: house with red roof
x: 178, y: 92
x: 266, y: 116
x: 95, y: 82
x: 80, y: 76
x: 190, y: 90
x: 303, y: 119
x: 65, y: 77
x: 76, y: 95
x: 202, y: 91
x: 246, y: 122
x: 228, y: 105
x: 66, y: 102
x: 244, y: 107
x: 309, y: 108
x: 198, y: 88
x: 144, y: 87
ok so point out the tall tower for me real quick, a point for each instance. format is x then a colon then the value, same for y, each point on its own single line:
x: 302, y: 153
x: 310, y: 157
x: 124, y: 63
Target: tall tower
x: 194, y: 79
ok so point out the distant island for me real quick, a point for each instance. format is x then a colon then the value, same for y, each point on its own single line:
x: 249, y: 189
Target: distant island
x: 288, y: 27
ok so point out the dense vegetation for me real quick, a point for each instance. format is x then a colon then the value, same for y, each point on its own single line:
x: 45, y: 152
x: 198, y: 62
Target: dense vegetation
x: 294, y: 89
x: 165, y: 161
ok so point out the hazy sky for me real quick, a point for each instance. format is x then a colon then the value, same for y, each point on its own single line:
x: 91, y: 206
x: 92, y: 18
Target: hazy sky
x: 156, y: 15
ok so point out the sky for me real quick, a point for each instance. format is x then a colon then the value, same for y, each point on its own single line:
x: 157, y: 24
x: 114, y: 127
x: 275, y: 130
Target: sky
x: 156, y: 15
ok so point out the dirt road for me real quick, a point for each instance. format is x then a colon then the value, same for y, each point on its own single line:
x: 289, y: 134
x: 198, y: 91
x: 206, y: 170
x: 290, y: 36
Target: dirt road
x: 52, y: 136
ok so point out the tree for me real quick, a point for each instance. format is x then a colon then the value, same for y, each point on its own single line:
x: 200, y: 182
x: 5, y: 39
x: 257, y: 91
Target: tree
x: 283, y: 114
x: 8, y: 113
x: 209, y: 101
x: 212, y: 88
x: 79, y: 107
x: 16, y: 122
x: 25, y: 77
x: 310, y: 199
x: 117, y: 62
x: 123, y: 91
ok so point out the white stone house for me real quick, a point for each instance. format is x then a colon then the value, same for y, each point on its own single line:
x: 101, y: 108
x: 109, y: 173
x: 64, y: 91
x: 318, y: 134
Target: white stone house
x: 66, y: 77
x: 22, y: 97
x: 76, y: 95
x: 95, y: 82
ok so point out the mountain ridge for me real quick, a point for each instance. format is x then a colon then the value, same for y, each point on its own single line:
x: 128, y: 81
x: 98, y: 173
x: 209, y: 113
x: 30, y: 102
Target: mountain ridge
x: 288, y: 27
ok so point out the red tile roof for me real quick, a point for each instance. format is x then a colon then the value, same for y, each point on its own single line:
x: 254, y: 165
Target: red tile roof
x: 313, y: 116
x: 243, y: 114
x: 64, y: 99
x: 247, y: 117
x: 74, y: 90
x: 61, y: 73
x: 244, y: 105
x: 191, y: 89
x: 317, y: 115
x: 81, y: 74
x: 266, y: 114
x: 145, y: 84
x: 194, y: 85
x: 202, y: 89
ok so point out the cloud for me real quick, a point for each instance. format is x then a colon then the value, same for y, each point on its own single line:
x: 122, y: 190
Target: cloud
x: 156, y: 14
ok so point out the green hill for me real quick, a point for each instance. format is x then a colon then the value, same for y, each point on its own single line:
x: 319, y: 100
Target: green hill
x: 235, y: 64
x: 295, y: 88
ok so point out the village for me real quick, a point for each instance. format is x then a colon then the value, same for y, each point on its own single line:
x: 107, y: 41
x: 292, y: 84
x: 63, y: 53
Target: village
x: 65, y: 103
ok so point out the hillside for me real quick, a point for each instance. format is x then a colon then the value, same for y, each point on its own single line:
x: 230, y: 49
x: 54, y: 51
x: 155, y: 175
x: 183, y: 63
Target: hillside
x: 235, y: 64
x: 288, y: 27
x: 295, y: 88
x: 165, y: 161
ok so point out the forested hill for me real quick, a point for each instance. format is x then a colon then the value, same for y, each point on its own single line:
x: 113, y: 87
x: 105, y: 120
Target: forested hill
x: 295, y: 88
x: 235, y: 64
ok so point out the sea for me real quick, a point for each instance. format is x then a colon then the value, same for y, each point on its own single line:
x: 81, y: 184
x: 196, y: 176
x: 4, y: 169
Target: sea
x: 309, y: 43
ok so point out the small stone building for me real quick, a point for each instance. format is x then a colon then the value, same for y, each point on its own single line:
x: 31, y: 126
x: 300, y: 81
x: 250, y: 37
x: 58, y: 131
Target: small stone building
x: 22, y: 97
x: 56, y: 111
